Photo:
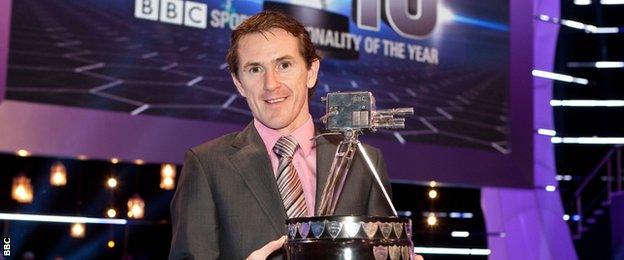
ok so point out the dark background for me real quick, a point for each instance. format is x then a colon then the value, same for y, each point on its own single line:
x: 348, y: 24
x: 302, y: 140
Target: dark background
x: 85, y: 194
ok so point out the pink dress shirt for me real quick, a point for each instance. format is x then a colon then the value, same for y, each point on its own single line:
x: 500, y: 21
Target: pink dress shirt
x: 304, y: 159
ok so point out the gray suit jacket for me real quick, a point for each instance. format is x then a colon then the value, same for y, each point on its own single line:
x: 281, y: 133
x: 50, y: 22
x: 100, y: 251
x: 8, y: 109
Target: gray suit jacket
x: 227, y: 204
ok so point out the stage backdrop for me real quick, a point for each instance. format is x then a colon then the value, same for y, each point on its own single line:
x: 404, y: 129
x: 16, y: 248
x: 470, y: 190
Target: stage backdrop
x: 154, y: 71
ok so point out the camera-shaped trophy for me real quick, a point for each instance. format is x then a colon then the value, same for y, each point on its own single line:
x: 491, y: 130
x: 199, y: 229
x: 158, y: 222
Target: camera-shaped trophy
x: 327, y: 236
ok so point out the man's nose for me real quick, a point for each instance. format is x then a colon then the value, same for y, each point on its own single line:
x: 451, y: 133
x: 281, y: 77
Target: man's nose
x: 271, y: 81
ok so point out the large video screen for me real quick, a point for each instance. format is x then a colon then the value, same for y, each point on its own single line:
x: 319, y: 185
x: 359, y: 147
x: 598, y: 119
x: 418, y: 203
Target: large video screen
x: 147, y: 79
x: 449, y: 60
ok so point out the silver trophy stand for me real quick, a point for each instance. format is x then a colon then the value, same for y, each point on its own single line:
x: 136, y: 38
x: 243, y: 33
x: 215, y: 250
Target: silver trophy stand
x: 327, y: 236
x: 350, y: 114
x: 376, y: 176
x: 338, y: 173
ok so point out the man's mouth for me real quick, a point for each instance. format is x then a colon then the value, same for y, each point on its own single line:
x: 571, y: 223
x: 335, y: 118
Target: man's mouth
x: 275, y: 100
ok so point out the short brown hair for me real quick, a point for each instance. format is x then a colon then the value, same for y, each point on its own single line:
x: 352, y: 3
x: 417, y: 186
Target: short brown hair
x: 263, y: 22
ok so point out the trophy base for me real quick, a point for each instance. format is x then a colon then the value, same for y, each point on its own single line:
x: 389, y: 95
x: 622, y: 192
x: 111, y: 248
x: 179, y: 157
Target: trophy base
x: 349, y: 237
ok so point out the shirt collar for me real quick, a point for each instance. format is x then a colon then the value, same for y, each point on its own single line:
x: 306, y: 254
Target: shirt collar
x: 302, y: 134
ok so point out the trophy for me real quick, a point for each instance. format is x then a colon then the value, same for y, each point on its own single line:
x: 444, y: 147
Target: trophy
x: 326, y: 236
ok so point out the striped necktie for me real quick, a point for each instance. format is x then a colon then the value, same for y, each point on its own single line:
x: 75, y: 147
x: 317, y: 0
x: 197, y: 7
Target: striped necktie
x: 288, y: 182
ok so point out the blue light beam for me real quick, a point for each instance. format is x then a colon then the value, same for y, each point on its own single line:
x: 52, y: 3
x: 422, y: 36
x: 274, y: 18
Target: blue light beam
x: 481, y: 23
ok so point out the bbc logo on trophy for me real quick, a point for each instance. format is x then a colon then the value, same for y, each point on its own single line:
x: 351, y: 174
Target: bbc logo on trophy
x: 328, y: 236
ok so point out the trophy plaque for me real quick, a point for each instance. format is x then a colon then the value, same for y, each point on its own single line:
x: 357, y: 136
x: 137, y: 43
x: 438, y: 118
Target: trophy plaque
x: 327, y: 236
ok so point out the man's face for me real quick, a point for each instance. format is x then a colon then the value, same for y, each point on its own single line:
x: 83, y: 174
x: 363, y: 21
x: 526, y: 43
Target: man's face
x: 274, y: 78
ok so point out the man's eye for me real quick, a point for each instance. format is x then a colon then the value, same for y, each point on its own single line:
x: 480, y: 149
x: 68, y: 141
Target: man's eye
x: 284, y: 65
x: 255, y: 69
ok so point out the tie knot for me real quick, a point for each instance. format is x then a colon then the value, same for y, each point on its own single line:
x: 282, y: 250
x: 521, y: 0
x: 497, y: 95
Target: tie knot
x: 285, y: 146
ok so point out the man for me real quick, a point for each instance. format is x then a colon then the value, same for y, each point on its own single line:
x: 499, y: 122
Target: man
x: 234, y: 192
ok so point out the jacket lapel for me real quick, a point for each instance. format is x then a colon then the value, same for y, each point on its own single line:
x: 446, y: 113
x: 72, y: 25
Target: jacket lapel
x: 325, y: 149
x: 252, y: 163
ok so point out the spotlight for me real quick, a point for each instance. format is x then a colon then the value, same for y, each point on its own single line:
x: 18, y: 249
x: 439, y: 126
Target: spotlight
x: 23, y: 153
x: 111, y: 213
x: 460, y: 234
x: 547, y: 132
x: 167, y: 176
x: 445, y: 14
x: 22, y: 190
x: 114, y: 160
x: 139, y: 162
x: 557, y: 76
x: 78, y: 230
x: 588, y: 140
x: 433, y: 184
x: 433, y: 194
x: 58, y: 174
x: 611, y: 2
x: 168, y: 170
x: 432, y: 220
x: 609, y: 64
x: 455, y: 215
x: 586, y: 103
x: 111, y: 244
x: 406, y: 213
x: 111, y: 182
x: 60, y: 219
x: 136, y: 207
x: 167, y: 184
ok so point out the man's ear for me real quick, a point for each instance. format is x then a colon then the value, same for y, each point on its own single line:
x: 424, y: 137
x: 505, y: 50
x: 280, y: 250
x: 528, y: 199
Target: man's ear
x: 238, y: 85
x: 313, y: 73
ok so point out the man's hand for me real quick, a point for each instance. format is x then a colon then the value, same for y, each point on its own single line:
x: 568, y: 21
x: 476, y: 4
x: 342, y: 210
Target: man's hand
x: 266, y: 250
x: 417, y: 257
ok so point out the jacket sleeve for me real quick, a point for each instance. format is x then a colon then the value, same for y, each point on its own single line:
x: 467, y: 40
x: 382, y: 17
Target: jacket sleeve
x: 193, y: 214
x: 377, y: 205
